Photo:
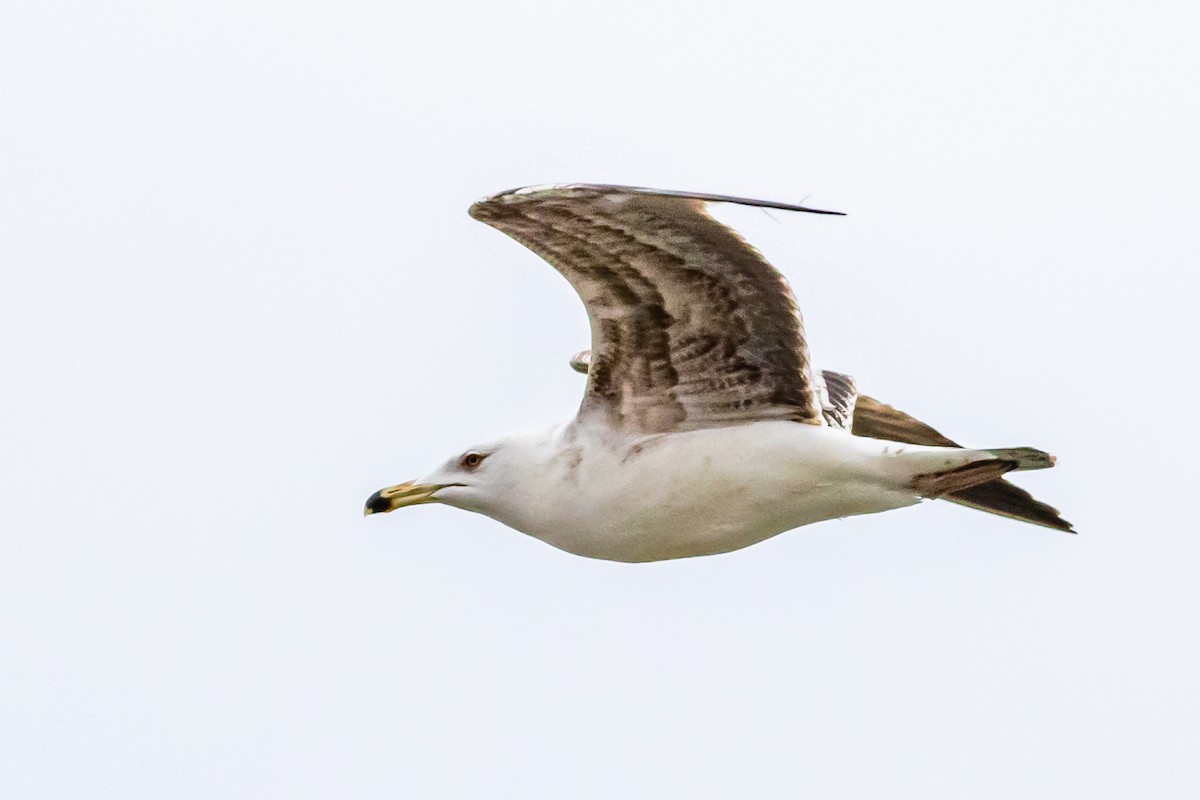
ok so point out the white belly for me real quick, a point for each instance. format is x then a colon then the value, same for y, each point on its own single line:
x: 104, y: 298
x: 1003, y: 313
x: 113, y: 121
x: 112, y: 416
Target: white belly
x: 709, y: 491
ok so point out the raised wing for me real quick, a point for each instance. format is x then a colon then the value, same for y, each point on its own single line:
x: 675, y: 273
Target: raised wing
x: 691, y: 327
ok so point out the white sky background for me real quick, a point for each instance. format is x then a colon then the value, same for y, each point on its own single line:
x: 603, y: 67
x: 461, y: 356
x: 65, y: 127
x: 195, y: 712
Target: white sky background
x: 239, y: 292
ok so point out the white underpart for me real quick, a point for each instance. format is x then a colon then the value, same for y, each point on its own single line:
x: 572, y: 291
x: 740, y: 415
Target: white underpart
x: 589, y: 491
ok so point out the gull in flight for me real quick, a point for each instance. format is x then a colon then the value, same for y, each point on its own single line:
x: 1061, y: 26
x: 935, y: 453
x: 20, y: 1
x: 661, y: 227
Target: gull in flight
x: 704, y: 427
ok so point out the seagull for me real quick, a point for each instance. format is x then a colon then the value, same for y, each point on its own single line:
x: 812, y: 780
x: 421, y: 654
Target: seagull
x: 704, y: 428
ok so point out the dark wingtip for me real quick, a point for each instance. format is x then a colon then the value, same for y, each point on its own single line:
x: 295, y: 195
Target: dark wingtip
x: 1055, y: 523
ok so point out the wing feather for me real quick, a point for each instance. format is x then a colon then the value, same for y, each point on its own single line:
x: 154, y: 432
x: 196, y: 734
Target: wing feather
x: 691, y: 327
x: 838, y: 394
x: 878, y: 420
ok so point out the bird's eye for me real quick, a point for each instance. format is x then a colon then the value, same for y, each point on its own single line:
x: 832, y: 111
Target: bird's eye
x: 471, y: 460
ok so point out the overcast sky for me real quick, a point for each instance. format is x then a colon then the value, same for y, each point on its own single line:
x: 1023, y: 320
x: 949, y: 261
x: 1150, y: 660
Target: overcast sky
x: 239, y: 292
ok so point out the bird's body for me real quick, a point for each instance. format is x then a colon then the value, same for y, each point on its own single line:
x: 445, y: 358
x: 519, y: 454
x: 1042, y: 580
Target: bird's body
x: 594, y: 493
x: 704, y: 428
x: 648, y: 498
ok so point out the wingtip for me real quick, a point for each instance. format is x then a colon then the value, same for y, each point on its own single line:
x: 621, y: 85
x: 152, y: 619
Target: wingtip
x: 1059, y: 524
x: 479, y: 209
x: 1054, y: 522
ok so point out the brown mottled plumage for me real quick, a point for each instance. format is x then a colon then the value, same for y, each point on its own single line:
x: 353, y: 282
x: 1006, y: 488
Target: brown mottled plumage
x: 691, y: 327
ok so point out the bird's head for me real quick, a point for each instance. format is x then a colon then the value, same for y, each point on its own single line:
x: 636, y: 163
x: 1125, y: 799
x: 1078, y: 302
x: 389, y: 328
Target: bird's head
x: 483, y: 478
